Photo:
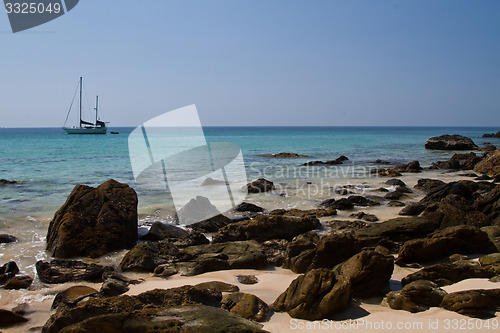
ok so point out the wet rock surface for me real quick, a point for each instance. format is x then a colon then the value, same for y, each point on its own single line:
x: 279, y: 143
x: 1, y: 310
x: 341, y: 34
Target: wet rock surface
x: 61, y: 271
x: 460, y: 239
x: 264, y: 228
x: 473, y: 303
x: 315, y: 295
x: 416, y: 296
x: 450, y: 142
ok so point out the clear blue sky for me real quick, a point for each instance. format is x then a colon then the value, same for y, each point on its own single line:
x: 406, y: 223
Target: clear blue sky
x: 260, y: 62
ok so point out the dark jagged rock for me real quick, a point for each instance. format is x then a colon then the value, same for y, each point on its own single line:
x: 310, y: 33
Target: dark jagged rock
x: 450, y: 142
x: 219, y: 286
x: 379, y: 161
x: 22, y: 309
x: 165, y: 270
x: 199, y: 259
x: 445, y: 274
x: 7, y: 182
x: 483, y: 177
x: 146, y: 256
x: 94, y: 221
x: 61, y: 271
x: 4, y: 238
x: 211, y: 182
x: 248, y: 207
x: 247, y: 279
x: 160, y: 231
x: 113, y: 286
x: 490, y: 165
x: 395, y: 203
x: 212, y: 224
x: 394, y: 195
x: 338, y: 160
x: 264, y: 228
x: 284, y: 155
x: 492, y: 135
x: 369, y: 273
x: 132, y: 308
x: 305, y: 252
x: 9, y: 318
x: 304, y: 213
x: 395, y: 182
x: 473, y: 303
x: 416, y: 296
x: 427, y: 185
x: 460, y: 239
x: 8, y: 271
x: 359, y: 200
x: 388, y: 173
x: 19, y: 282
x: 364, y: 216
x: 398, y: 229
x: 413, y: 209
x: 318, y: 294
x: 72, y: 296
x: 340, y: 204
x: 246, y: 305
x: 274, y: 250
x: 194, y: 238
x: 458, y: 162
x: 260, y: 185
x: 410, y: 167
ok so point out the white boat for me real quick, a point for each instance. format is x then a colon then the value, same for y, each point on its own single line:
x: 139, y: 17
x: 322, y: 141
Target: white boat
x: 85, y: 127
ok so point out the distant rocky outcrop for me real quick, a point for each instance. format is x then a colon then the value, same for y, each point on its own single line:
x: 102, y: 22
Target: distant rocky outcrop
x: 458, y: 162
x: 492, y: 135
x: 7, y: 182
x: 260, y: 185
x: 94, y: 221
x: 338, y: 160
x: 450, y: 142
x: 284, y: 155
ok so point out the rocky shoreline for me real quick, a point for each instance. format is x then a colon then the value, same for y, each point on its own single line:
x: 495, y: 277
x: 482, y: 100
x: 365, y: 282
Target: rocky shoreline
x: 342, y: 253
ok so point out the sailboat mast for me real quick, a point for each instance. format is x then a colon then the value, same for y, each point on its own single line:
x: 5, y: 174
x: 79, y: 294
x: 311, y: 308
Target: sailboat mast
x: 96, y: 108
x: 80, y: 102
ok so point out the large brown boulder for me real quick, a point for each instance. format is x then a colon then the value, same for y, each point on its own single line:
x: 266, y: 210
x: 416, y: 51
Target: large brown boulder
x: 490, y: 165
x: 369, y: 273
x: 305, y: 252
x: 259, y: 185
x: 264, y: 227
x: 450, y: 142
x: 9, y: 318
x: 199, y: 259
x: 461, y: 239
x: 61, y: 271
x: 473, y: 303
x: 318, y: 294
x: 94, y: 221
x: 146, y: 256
x: 416, y: 296
x: 246, y: 305
x: 445, y: 274
x: 398, y: 229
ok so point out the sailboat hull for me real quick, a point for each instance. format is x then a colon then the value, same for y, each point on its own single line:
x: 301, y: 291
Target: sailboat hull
x: 77, y: 130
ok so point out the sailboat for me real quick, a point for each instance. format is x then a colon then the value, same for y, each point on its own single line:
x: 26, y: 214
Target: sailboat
x: 85, y: 127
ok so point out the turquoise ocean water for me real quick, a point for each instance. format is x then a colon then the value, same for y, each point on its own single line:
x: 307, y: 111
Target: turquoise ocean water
x: 49, y: 162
